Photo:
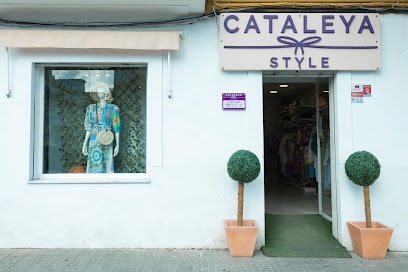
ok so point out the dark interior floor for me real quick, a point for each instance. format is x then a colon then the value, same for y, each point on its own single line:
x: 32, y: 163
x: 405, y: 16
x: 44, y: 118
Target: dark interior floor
x: 283, y: 197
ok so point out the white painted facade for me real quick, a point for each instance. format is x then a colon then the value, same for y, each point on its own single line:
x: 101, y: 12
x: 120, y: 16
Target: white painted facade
x: 376, y: 125
x: 189, y: 140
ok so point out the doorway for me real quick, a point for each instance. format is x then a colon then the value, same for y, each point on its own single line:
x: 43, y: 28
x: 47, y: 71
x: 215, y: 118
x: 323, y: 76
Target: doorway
x: 297, y: 145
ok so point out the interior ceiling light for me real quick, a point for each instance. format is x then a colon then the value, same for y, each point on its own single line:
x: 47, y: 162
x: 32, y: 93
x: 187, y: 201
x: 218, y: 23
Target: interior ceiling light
x: 326, y: 91
x: 273, y: 92
x: 283, y: 85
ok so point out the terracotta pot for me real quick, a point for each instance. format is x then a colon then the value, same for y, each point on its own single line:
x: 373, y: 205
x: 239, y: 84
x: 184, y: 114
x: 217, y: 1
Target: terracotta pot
x: 77, y: 169
x: 241, y: 240
x: 370, y: 243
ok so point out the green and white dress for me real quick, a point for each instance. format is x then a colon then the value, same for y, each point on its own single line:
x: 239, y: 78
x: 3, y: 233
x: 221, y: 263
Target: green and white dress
x: 97, y: 118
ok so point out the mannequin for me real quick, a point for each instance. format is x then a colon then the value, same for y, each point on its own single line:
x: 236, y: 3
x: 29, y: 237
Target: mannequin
x: 101, y: 116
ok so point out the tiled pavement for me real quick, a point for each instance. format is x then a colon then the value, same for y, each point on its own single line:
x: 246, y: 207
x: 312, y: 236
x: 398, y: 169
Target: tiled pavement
x: 162, y: 260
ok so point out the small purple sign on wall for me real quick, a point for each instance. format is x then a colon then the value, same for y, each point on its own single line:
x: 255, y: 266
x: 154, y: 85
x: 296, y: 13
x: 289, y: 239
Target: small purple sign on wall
x: 233, y: 101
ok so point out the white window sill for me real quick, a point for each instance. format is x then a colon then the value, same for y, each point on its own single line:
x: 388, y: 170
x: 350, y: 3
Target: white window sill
x: 79, y: 178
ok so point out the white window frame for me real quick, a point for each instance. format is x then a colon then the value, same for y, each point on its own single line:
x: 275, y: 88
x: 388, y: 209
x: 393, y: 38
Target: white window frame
x: 154, y: 96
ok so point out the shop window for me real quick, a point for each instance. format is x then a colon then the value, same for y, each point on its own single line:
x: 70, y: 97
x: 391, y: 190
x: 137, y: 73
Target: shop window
x: 66, y: 108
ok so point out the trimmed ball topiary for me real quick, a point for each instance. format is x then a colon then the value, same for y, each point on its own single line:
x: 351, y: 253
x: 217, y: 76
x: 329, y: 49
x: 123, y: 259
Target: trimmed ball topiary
x: 362, y: 168
x: 243, y: 166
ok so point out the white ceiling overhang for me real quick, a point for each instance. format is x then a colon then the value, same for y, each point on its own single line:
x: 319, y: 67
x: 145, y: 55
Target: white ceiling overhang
x: 90, y: 39
x: 99, y: 11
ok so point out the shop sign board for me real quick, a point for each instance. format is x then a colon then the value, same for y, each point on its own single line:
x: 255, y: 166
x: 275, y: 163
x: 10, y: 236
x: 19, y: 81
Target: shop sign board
x: 233, y: 101
x: 300, y: 41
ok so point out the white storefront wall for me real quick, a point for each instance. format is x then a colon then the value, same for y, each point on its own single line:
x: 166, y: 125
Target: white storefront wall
x: 376, y: 125
x: 190, y: 193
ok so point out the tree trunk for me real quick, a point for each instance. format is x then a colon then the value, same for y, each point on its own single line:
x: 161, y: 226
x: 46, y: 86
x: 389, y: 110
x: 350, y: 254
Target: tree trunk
x: 240, y: 215
x: 367, y: 205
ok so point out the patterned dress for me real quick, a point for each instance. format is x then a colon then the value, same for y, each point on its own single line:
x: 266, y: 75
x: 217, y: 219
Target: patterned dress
x: 100, y: 157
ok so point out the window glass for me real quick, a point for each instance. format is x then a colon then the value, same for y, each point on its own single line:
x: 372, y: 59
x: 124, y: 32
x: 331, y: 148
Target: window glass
x: 82, y: 101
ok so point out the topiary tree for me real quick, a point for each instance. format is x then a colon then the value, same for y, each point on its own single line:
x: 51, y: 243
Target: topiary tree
x: 363, y: 168
x: 243, y: 166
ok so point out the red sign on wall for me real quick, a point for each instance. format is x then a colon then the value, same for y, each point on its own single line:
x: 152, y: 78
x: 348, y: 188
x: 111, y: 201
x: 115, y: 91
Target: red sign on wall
x: 360, y: 91
x: 367, y: 90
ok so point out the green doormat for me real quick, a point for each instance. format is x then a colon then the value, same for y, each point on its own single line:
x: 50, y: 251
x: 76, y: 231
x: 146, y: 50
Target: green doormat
x: 300, y: 236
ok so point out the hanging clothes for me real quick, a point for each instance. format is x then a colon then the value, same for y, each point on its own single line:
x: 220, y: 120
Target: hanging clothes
x: 312, y: 153
x: 326, y: 164
x: 288, y: 154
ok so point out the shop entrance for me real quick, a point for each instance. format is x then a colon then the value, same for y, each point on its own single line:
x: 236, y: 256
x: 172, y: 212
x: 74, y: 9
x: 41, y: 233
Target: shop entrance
x: 297, y: 145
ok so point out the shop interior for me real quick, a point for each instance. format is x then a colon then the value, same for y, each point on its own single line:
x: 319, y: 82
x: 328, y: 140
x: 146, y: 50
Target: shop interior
x: 297, y: 146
